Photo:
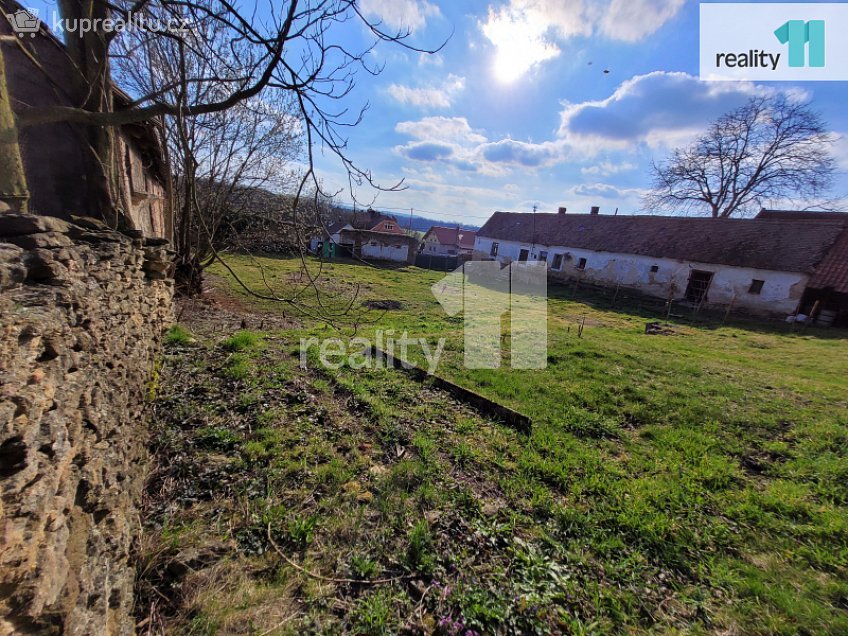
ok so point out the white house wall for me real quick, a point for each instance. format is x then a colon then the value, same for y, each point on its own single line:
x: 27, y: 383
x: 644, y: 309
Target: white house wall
x: 380, y: 252
x: 780, y: 293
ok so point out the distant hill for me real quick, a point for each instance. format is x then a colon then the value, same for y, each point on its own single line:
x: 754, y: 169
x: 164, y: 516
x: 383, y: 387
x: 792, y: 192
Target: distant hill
x: 420, y: 223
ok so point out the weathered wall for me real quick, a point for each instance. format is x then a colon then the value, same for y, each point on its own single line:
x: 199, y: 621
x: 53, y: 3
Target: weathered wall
x: 780, y: 294
x: 82, y: 311
x: 380, y: 251
x: 55, y: 158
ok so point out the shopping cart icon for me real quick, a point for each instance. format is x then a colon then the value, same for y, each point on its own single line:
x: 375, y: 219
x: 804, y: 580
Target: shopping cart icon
x: 24, y: 21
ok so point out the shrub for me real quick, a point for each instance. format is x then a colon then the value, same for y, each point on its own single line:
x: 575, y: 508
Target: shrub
x: 240, y: 341
x: 178, y: 336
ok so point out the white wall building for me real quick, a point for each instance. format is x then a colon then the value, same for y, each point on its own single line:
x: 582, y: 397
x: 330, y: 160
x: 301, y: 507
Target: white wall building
x: 758, y: 265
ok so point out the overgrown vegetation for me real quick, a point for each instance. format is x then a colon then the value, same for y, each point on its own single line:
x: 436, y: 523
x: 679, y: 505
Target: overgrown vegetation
x: 696, y: 482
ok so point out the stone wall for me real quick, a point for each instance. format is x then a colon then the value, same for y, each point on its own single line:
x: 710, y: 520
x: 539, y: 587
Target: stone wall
x: 82, y: 309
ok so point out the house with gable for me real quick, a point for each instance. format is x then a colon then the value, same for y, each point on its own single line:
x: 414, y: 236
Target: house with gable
x: 369, y: 235
x: 448, y: 241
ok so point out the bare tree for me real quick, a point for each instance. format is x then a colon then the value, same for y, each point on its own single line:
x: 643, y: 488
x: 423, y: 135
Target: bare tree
x: 218, y: 159
x: 770, y: 148
x: 295, y: 47
x: 291, y: 46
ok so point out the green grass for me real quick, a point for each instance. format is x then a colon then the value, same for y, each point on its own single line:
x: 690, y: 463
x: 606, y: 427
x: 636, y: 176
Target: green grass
x: 688, y: 483
x: 241, y: 341
x: 178, y: 335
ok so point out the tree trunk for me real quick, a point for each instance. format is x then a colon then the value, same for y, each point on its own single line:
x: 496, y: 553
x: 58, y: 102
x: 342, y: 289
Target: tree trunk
x: 13, y: 187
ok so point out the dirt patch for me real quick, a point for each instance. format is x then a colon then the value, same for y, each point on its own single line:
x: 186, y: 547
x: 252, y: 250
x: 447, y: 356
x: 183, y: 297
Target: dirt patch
x: 387, y: 305
x: 660, y: 329
x: 214, y: 311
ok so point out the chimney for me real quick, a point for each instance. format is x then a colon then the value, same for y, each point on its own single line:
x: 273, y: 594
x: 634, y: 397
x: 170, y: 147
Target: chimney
x: 595, y: 210
x: 561, y: 210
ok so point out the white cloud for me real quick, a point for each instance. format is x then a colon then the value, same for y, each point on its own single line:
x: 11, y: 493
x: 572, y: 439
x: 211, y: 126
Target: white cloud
x: 431, y: 59
x: 840, y: 150
x: 521, y: 153
x: 525, y: 32
x: 633, y: 20
x: 659, y: 109
x: 451, y: 141
x: 430, y: 96
x: 652, y: 112
x: 448, y: 129
x: 607, y: 196
x: 400, y: 14
x: 607, y: 168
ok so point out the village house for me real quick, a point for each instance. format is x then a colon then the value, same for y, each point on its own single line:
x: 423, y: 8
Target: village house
x: 777, y: 264
x: 370, y: 236
x: 56, y: 157
x: 448, y: 241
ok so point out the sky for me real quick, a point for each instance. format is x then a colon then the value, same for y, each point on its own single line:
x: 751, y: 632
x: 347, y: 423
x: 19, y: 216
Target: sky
x: 517, y: 110
x: 543, y: 103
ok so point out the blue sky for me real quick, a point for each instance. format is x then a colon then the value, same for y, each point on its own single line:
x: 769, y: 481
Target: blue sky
x: 516, y: 110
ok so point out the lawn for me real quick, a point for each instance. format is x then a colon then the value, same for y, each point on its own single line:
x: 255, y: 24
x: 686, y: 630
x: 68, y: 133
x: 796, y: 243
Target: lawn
x: 690, y: 482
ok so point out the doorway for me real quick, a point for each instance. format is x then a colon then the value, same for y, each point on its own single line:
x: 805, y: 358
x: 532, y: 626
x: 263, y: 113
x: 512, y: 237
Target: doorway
x: 699, y: 283
x: 522, y: 255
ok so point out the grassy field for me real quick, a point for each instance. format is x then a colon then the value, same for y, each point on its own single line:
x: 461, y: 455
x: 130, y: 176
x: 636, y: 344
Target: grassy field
x: 694, y: 482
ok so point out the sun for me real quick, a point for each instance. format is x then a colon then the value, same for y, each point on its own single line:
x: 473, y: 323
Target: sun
x: 520, y: 44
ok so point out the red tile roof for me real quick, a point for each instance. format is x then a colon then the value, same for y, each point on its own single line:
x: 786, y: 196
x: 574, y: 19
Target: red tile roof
x: 778, y: 245
x: 454, y: 236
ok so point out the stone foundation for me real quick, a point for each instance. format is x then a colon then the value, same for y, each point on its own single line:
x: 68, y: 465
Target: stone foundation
x: 83, y: 309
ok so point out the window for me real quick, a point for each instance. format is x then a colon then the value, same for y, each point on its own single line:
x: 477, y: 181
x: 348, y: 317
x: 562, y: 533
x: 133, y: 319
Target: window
x: 494, y: 250
x: 655, y: 269
x: 557, y: 264
x: 543, y: 256
x: 389, y: 226
x: 522, y: 255
x: 581, y: 264
x: 756, y: 286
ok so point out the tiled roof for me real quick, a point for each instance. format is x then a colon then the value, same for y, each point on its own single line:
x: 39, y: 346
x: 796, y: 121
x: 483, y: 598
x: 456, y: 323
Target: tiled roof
x: 384, y: 236
x: 335, y: 227
x: 454, y: 236
x: 832, y: 272
x: 802, y: 215
x: 369, y: 219
x: 778, y: 245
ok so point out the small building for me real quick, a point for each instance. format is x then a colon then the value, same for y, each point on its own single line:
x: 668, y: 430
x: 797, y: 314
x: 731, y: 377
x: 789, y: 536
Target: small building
x: 448, y: 241
x: 56, y: 156
x: 378, y: 246
x: 367, y: 235
x: 766, y: 266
